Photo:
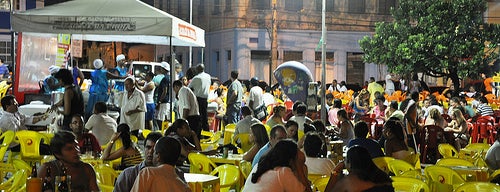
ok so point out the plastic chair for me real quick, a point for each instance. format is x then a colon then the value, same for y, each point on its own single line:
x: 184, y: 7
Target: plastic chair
x: 430, y: 137
x: 382, y: 163
x: 409, y: 184
x: 320, y: 184
x: 268, y: 129
x: 145, y: 133
x: 30, y: 144
x: 200, y: 163
x: 229, y: 175
x: 398, y: 167
x: 313, y: 177
x: 442, y: 178
x: 228, y: 133
x: 16, y: 182
x: 484, y: 130
x: 375, y: 129
x: 106, y: 175
x: 473, y: 149
x: 245, y: 142
x: 478, y: 187
x: 245, y: 168
x: 212, y: 142
x: 447, y: 151
x: 454, y: 162
x: 8, y: 137
x: 134, y: 139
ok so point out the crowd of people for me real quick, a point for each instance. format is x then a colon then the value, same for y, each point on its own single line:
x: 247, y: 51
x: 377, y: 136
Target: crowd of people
x: 297, y: 143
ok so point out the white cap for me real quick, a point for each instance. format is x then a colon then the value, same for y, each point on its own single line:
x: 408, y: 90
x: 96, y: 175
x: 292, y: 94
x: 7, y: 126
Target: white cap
x: 98, y: 63
x: 120, y: 57
x: 53, y: 69
x: 165, y: 65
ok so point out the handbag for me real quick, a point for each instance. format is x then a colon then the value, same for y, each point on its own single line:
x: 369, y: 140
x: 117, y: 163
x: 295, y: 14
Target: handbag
x: 261, y: 112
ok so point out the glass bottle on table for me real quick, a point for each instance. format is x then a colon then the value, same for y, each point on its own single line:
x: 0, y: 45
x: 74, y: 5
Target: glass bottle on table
x: 47, y: 182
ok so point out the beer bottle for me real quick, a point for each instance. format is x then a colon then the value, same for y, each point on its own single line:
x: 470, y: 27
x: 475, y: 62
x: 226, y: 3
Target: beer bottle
x: 47, y: 182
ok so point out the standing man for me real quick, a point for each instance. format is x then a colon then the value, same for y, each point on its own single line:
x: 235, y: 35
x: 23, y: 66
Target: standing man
x: 166, y: 152
x: 187, y: 106
x: 126, y: 179
x: 256, y: 101
x: 162, y: 90
x: 233, y: 100
x: 200, y: 84
x: 4, y: 71
x: 133, y: 107
x: 389, y: 85
x: 120, y: 70
x: 372, y: 88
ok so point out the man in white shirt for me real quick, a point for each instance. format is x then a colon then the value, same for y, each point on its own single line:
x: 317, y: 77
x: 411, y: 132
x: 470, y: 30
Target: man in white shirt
x: 243, y: 126
x: 12, y: 119
x: 100, y: 123
x: 187, y: 106
x: 200, y: 84
x: 133, y: 107
x: 389, y: 85
x: 255, y: 100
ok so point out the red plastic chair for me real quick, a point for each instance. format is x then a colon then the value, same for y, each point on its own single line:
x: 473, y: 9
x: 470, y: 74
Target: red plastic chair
x: 374, y: 126
x: 484, y: 130
x: 430, y: 137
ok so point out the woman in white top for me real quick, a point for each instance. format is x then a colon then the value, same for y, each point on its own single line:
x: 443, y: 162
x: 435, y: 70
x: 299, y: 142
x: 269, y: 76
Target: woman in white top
x: 281, y: 169
x: 148, y: 88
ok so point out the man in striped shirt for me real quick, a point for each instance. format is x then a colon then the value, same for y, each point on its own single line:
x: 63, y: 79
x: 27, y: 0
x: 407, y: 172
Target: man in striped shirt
x: 483, y: 108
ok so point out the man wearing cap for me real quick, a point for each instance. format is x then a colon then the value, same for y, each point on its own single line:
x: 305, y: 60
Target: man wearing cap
x: 200, y: 84
x: 120, y: 70
x: 162, y: 101
x: 50, y: 83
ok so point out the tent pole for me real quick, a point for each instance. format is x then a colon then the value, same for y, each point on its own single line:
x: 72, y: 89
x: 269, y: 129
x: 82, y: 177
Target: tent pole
x: 172, y: 73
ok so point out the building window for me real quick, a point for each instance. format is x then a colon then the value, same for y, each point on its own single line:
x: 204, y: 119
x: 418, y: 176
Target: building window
x: 292, y: 56
x: 5, y: 52
x: 229, y: 5
x: 330, y: 4
x: 4, y: 5
x: 384, y: 6
x: 216, y: 7
x: 355, y: 68
x: 260, y: 55
x: 229, y: 55
x: 217, y: 56
x: 253, y: 40
x: 356, y: 6
x: 329, y: 57
x: 294, y: 5
x: 201, y: 8
x: 261, y: 4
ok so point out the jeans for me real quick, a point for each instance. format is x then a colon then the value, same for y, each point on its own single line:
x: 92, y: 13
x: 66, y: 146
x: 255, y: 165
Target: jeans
x: 233, y: 113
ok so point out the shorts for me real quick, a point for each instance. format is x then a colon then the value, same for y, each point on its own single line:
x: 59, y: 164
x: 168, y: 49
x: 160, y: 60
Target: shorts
x: 163, y: 112
x: 150, y: 111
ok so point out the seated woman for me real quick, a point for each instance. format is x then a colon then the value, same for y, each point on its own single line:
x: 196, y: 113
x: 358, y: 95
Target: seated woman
x: 313, y: 147
x: 129, y: 152
x: 395, y: 143
x: 292, y: 130
x: 458, y: 126
x: 435, y: 118
x: 364, y: 175
x: 277, y: 117
x: 189, y: 141
x: 346, y: 129
x: 65, y: 149
x: 280, y: 169
x: 259, y: 137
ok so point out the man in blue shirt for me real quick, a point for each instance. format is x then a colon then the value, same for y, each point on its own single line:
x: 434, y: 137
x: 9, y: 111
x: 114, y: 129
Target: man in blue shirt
x: 360, y: 132
x: 278, y: 132
x: 4, y: 71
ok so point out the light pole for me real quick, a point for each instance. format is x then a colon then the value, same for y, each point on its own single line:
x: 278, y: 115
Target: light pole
x: 274, y: 44
x: 323, y: 62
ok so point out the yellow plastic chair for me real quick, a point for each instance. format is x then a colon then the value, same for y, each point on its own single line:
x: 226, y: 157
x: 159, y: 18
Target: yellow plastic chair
x: 313, y: 177
x: 200, y: 163
x: 407, y: 184
x: 244, y: 139
x: 447, y: 151
x: 106, y: 175
x: 8, y: 137
x: 442, y: 178
x: 454, y: 162
x: 478, y: 187
x: 475, y: 148
x: 228, y: 133
x: 212, y: 142
x: 320, y: 184
x: 16, y: 182
x: 382, y: 162
x: 245, y: 168
x: 229, y: 175
x: 494, y: 174
x: 268, y: 129
x: 398, y: 167
x: 145, y: 133
x: 133, y: 138
x: 30, y: 145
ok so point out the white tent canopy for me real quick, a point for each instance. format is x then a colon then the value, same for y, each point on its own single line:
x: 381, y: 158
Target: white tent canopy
x: 110, y: 20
